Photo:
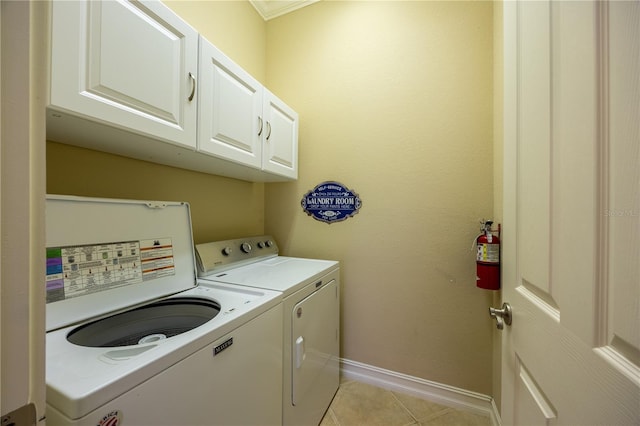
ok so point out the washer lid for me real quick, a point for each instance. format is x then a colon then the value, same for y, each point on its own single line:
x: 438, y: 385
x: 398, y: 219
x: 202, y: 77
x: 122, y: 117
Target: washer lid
x: 105, y: 255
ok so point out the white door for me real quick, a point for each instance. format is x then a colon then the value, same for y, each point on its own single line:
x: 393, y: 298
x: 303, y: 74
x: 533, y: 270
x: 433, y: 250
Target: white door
x: 230, y: 123
x: 23, y: 79
x: 129, y: 64
x: 280, y: 147
x: 572, y: 213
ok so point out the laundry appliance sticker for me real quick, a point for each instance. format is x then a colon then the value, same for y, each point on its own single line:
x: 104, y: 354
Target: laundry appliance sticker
x: 74, y: 271
x: 331, y: 202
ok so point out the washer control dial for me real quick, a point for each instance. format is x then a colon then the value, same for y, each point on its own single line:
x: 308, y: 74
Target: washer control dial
x: 227, y: 251
x: 246, y: 247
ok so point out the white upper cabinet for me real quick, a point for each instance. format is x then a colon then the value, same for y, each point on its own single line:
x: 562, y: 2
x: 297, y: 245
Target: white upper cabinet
x: 125, y: 64
x: 280, y: 146
x: 242, y: 121
x: 230, y: 109
x: 128, y: 77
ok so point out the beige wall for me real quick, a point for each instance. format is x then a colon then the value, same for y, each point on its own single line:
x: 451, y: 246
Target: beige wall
x: 221, y: 208
x: 233, y: 26
x: 395, y: 102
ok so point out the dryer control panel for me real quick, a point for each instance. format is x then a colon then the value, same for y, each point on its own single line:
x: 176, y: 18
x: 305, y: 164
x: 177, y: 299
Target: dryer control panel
x: 217, y: 256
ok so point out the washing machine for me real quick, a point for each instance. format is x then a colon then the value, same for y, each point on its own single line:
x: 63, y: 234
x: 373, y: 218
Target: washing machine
x: 311, y: 317
x: 134, y: 339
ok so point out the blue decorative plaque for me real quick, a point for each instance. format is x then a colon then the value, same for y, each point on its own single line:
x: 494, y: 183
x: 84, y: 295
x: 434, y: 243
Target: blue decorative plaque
x: 331, y: 202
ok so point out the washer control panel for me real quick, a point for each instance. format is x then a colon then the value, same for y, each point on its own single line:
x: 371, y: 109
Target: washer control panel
x: 217, y: 256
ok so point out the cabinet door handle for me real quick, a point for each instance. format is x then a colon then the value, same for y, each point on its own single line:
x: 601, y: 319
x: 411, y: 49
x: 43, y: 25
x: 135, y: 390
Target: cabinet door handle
x: 268, y: 130
x: 193, y: 86
x: 260, y: 124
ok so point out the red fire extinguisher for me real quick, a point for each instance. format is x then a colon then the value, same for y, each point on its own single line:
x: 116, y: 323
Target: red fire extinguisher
x: 488, y: 258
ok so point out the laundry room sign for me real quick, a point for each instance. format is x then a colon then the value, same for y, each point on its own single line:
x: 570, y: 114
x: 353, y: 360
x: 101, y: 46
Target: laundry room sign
x: 331, y: 202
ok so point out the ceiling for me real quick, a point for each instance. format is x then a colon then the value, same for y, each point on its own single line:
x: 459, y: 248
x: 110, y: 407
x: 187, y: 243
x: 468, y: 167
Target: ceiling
x: 269, y: 9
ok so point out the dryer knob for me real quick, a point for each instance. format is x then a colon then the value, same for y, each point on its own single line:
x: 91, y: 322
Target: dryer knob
x: 227, y: 251
x: 245, y: 247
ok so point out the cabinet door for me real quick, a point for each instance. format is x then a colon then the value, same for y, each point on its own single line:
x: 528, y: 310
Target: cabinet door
x: 125, y: 64
x: 280, y: 147
x: 230, y: 123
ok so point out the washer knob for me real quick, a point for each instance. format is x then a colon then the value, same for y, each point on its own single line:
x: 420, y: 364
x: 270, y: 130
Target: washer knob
x: 245, y: 247
x: 269, y: 243
x: 227, y: 251
x: 261, y: 244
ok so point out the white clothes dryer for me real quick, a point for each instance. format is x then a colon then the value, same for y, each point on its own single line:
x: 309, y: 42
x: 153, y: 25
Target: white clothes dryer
x: 134, y: 339
x: 311, y: 319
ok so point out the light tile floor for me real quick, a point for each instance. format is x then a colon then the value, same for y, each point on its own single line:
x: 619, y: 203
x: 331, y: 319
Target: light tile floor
x: 360, y: 404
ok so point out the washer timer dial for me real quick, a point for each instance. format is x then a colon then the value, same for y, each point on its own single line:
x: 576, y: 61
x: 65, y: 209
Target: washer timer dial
x: 246, y: 247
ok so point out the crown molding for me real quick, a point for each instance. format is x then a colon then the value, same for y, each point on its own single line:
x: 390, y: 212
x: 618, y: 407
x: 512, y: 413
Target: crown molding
x: 270, y: 9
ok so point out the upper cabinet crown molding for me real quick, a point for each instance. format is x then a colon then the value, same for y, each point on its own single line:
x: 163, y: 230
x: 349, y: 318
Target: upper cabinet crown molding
x: 270, y: 9
x: 128, y: 78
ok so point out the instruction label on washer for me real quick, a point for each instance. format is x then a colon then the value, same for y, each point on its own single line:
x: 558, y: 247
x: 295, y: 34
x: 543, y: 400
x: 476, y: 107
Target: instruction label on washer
x: 74, y: 271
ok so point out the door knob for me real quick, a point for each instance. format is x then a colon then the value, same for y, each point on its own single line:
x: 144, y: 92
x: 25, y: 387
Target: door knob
x: 501, y: 316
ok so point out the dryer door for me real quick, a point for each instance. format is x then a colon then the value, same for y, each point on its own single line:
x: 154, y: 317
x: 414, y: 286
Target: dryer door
x: 315, y: 345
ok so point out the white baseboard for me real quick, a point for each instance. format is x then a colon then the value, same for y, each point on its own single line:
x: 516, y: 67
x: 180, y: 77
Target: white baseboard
x: 421, y: 388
